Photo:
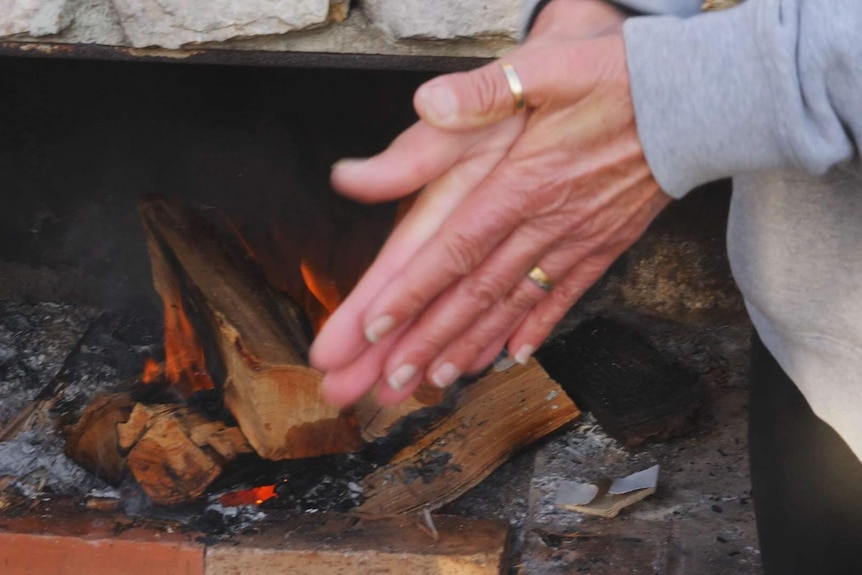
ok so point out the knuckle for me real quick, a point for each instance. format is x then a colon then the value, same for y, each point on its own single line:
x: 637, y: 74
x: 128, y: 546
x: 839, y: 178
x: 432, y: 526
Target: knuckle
x: 410, y: 298
x: 483, y: 291
x: 564, y: 296
x: 462, y: 253
x: 522, y: 299
x: 487, y: 89
x: 485, y: 333
x: 472, y: 345
x: 429, y: 344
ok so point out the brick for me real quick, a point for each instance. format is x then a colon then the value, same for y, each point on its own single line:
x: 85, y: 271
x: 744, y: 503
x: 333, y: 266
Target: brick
x: 94, y: 544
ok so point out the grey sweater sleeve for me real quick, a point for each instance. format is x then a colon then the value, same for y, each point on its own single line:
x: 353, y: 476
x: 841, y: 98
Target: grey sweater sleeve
x: 770, y: 84
x: 664, y: 7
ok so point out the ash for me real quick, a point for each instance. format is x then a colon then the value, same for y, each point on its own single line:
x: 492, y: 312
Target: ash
x: 219, y: 519
x: 54, y: 358
x: 39, y: 467
x: 35, y: 341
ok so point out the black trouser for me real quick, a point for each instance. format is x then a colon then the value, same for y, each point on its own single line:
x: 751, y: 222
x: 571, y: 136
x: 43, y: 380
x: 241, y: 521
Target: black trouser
x: 807, y: 483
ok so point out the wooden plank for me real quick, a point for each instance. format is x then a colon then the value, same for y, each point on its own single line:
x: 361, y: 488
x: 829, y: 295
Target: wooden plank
x: 496, y: 416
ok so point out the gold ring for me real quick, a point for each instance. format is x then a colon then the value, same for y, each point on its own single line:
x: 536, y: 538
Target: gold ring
x: 515, y: 86
x: 538, y: 276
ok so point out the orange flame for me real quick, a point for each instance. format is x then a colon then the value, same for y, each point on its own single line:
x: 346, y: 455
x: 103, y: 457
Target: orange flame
x: 152, y: 371
x: 254, y: 496
x: 323, y: 289
x: 184, y: 356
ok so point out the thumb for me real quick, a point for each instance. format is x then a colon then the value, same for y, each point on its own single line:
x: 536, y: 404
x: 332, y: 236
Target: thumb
x: 467, y: 100
x: 543, y: 72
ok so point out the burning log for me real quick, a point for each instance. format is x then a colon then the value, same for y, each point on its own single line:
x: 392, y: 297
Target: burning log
x: 175, y: 453
x: 494, y: 417
x: 198, y: 260
x: 93, y: 442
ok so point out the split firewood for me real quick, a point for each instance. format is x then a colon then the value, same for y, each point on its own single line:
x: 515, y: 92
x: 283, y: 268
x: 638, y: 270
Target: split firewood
x: 136, y: 425
x: 494, y: 417
x: 175, y: 453
x: 376, y: 422
x: 257, y: 330
x: 93, y: 443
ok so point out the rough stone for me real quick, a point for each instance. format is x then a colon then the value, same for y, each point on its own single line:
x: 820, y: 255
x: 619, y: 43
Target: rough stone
x: 444, y: 19
x: 32, y: 17
x: 174, y: 23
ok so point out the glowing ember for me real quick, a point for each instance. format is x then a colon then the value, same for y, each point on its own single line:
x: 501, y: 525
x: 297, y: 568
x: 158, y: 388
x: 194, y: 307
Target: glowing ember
x: 254, y: 496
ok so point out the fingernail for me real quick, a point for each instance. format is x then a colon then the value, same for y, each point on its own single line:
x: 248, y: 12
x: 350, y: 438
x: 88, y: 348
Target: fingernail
x: 524, y: 353
x: 445, y: 375
x: 399, y: 378
x: 504, y: 364
x: 439, y: 103
x: 378, y: 328
x: 347, y: 162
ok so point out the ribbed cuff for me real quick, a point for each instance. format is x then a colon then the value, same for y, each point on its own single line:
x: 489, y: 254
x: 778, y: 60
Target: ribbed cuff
x: 702, y: 97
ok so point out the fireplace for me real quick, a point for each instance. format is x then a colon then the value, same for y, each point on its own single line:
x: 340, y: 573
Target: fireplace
x: 82, y: 142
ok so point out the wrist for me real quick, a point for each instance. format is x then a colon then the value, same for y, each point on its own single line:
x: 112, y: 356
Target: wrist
x: 576, y: 19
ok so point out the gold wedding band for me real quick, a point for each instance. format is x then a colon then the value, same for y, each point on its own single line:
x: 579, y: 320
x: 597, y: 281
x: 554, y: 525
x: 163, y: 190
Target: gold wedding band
x: 515, y: 86
x: 538, y: 276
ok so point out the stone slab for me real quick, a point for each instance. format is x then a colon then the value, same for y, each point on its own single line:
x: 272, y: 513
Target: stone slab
x: 32, y: 17
x: 445, y: 19
x: 174, y: 23
x: 97, y: 24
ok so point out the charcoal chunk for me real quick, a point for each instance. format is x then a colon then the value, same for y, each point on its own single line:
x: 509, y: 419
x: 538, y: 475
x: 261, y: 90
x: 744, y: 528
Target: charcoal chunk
x: 634, y: 390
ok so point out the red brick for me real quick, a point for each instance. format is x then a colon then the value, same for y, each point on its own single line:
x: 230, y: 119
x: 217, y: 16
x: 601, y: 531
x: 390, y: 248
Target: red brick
x: 94, y: 544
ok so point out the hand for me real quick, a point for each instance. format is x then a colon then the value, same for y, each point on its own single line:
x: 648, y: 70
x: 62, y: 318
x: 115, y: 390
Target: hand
x: 454, y: 164
x: 570, y: 193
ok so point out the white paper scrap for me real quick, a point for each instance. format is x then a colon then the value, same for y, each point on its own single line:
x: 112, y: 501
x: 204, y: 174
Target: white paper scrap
x: 648, y: 478
x: 571, y: 493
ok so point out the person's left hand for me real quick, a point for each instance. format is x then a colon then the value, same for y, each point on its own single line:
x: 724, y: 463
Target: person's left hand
x: 569, y: 195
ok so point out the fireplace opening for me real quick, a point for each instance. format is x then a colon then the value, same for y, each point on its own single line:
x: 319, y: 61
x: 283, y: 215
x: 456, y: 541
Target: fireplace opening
x: 104, y: 162
x: 185, y: 214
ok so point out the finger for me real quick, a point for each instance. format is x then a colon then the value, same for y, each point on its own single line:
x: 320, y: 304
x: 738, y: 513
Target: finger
x: 472, y: 313
x: 484, y: 96
x: 343, y: 337
x: 491, y: 353
x: 539, y: 323
x: 462, y: 352
x: 344, y: 386
x: 453, y: 313
x: 401, y: 169
x: 460, y: 360
x: 387, y: 396
x: 618, y: 236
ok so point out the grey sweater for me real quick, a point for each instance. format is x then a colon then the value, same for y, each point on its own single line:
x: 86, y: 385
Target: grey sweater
x: 770, y: 93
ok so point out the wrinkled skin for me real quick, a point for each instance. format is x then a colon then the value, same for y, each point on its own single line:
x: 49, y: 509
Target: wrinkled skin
x: 564, y: 186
